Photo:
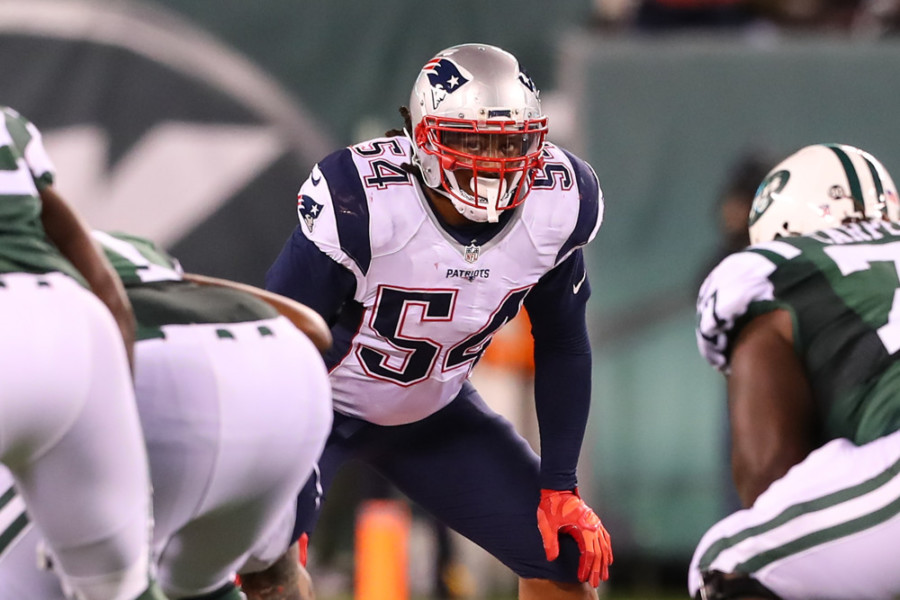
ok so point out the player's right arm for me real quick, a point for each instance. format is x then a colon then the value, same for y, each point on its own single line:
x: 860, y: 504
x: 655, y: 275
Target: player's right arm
x: 770, y: 405
x: 304, y: 318
x: 746, y: 331
x: 68, y: 231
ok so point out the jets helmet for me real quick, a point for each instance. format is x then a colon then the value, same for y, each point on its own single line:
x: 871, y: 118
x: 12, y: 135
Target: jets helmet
x: 819, y: 187
x: 477, y: 129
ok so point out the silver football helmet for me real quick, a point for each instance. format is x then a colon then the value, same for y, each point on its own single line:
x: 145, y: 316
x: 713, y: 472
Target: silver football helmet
x: 478, y: 130
x: 819, y: 187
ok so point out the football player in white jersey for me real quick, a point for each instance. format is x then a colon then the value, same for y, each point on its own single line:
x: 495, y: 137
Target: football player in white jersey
x: 69, y: 430
x: 416, y: 248
x: 804, y: 324
x: 235, y: 406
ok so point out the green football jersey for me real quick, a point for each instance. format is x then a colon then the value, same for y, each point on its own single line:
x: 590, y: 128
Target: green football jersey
x: 24, y: 169
x: 138, y: 260
x: 842, y: 290
x: 160, y: 296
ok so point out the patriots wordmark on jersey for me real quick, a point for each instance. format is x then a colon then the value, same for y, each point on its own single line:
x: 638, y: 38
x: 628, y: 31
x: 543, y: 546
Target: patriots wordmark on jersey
x: 841, y: 288
x: 429, y: 298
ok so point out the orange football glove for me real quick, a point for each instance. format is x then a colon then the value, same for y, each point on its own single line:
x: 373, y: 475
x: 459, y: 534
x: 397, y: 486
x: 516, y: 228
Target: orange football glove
x: 304, y: 548
x: 564, y: 511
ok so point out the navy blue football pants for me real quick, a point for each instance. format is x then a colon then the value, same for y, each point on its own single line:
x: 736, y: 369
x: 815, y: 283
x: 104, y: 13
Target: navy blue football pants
x: 467, y: 466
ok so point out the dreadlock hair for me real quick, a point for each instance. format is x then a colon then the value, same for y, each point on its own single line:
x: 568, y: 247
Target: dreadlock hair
x: 406, y: 130
x: 407, y: 124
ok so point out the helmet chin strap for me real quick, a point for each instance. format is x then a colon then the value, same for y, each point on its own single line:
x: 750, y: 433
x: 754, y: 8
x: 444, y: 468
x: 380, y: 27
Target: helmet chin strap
x: 491, y: 190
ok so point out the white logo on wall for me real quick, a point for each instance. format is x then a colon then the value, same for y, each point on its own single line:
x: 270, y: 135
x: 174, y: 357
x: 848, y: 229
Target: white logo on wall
x: 170, y: 181
x: 217, y: 124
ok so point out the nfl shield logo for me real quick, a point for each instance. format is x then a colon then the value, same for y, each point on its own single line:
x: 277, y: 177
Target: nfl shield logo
x: 472, y: 252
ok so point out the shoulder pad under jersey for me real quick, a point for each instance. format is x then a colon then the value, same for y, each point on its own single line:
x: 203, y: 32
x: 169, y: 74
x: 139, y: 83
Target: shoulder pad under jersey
x: 565, y: 208
x: 726, y: 295
x: 333, y: 211
x: 27, y: 141
x: 137, y: 259
x: 590, y: 209
x: 359, y: 201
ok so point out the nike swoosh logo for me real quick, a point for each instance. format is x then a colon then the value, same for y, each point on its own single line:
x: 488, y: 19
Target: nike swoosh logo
x: 315, y: 180
x: 577, y: 286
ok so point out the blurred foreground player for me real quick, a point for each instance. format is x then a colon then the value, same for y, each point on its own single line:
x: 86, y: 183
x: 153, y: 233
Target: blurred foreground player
x: 70, y: 435
x: 235, y: 406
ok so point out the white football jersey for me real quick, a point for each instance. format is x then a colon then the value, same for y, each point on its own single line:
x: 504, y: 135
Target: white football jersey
x: 726, y: 295
x: 431, y: 303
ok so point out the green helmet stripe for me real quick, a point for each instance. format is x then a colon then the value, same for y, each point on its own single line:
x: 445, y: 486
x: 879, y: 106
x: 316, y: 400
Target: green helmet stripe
x: 852, y: 177
x: 879, y: 187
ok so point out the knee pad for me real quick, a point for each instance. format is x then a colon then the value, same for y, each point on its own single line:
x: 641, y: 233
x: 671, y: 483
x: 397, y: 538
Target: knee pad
x: 722, y: 586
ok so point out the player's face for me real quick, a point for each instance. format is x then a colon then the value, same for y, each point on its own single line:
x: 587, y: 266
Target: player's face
x: 504, y: 146
x: 476, y: 151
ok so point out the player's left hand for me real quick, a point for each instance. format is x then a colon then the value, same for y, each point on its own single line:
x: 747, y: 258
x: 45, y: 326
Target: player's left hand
x: 563, y: 511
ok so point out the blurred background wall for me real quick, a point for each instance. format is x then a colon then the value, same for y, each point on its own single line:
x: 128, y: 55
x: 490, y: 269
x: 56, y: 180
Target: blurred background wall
x: 194, y: 122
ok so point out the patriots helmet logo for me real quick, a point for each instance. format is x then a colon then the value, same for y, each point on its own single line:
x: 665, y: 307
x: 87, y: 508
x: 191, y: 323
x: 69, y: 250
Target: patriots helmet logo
x: 309, y: 210
x: 525, y: 79
x: 445, y: 77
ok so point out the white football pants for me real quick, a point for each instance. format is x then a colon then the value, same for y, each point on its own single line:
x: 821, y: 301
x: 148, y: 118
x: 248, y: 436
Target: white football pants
x: 828, y: 529
x: 70, y: 436
x: 235, y: 417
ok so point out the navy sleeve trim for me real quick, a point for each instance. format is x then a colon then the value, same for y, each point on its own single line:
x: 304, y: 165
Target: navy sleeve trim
x: 351, y: 208
x: 589, y: 204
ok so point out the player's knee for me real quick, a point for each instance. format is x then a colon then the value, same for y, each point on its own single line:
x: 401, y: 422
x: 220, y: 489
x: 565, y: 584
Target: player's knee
x: 546, y: 589
x: 728, y: 586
